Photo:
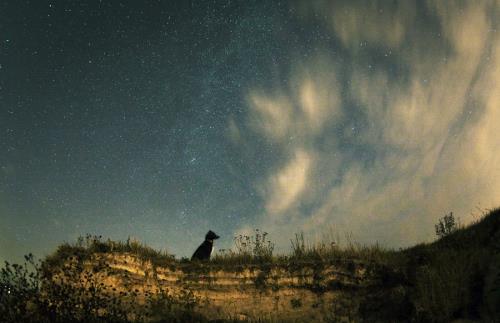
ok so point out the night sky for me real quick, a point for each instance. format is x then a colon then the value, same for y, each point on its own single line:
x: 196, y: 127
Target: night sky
x: 161, y: 120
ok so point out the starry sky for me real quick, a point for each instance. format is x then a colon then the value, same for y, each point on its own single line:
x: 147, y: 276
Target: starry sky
x: 161, y: 120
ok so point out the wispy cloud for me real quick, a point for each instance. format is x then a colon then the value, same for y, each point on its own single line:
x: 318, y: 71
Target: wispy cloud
x: 300, y: 110
x: 355, y: 23
x: 386, y: 152
x: 284, y: 188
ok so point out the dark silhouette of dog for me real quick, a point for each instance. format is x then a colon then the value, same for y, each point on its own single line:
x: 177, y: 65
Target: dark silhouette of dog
x: 205, y: 249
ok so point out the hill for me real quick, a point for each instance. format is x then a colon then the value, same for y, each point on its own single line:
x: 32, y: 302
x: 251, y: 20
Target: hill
x: 456, y: 277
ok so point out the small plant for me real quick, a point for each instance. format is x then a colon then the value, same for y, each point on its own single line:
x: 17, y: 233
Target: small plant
x: 243, y: 245
x: 262, y: 248
x: 251, y: 248
x: 446, y: 225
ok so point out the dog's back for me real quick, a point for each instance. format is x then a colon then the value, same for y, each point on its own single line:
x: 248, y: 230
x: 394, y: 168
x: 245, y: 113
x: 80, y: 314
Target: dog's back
x: 204, y: 251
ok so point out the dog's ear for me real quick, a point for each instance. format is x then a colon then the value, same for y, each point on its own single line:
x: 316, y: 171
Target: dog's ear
x: 211, y: 235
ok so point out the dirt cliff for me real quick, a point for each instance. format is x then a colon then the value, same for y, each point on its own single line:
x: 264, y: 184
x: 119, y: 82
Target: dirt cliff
x: 341, y: 291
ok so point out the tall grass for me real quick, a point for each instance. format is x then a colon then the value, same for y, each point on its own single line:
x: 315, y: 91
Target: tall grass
x: 331, y: 250
x: 446, y: 288
x: 258, y: 249
x: 450, y: 275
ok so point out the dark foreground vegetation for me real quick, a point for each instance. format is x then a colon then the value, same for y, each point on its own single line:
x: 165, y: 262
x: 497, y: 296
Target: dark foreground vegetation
x: 456, y: 277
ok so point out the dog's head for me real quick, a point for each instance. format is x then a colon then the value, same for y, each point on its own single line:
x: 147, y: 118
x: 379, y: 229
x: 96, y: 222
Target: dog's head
x: 211, y: 235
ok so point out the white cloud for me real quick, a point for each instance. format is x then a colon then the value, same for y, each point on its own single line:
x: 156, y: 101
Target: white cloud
x: 284, y: 188
x: 272, y: 116
x: 316, y: 92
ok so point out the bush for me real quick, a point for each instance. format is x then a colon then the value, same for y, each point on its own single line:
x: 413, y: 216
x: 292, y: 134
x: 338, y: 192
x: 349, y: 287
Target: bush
x: 446, y: 226
x: 19, y: 286
x: 68, y: 290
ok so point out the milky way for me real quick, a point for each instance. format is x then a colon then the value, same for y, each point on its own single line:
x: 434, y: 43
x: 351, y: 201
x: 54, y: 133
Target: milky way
x: 161, y: 120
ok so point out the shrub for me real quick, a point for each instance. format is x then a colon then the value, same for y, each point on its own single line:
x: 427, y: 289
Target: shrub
x: 66, y: 289
x: 446, y: 225
x: 19, y: 286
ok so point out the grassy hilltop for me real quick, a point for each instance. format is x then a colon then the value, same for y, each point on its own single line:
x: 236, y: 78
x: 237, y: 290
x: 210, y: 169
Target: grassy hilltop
x: 94, y: 280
